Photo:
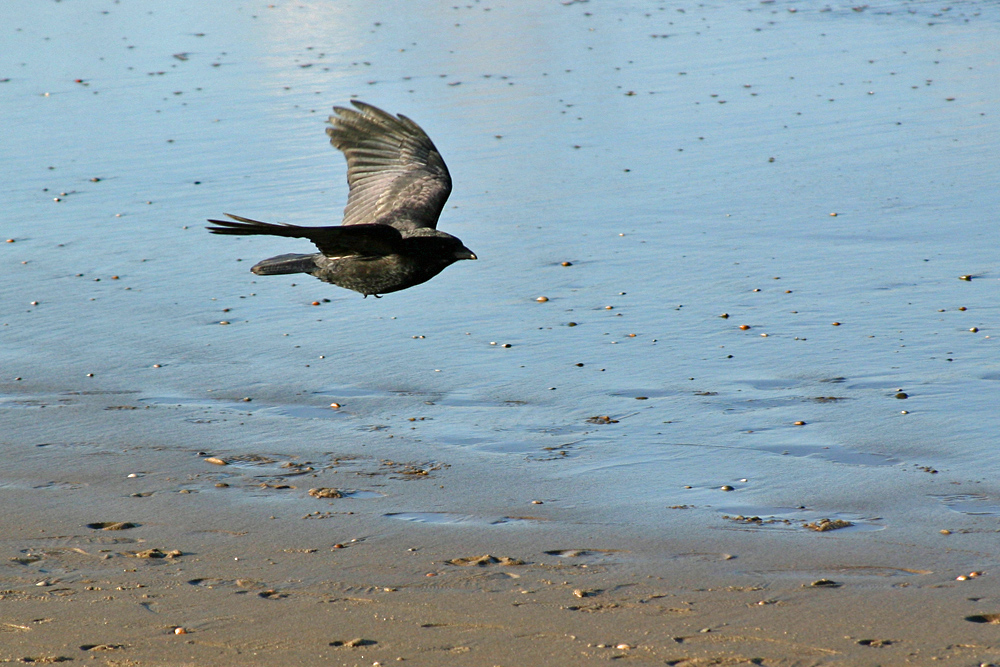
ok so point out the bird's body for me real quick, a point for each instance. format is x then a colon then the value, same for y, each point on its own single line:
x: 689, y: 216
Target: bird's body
x: 388, y: 240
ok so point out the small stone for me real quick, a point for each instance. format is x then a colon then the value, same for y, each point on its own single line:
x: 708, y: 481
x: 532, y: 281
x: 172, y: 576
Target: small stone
x: 623, y: 647
x: 335, y: 405
x: 836, y: 324
x: 744, y: 327
x: 966, y: 277
x: 180, y: 631
x: 724, y: 316
x: 567, y: 264
x: 825, y: 583
x: 974, y: 329
x: 901, y: 395
x: 216, y: 461
x: 726, y: 488
x: 315, y: 303
x: 542, y: 299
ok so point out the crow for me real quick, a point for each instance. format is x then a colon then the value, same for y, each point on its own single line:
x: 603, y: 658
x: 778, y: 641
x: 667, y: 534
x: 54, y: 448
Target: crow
x: 389, y: 239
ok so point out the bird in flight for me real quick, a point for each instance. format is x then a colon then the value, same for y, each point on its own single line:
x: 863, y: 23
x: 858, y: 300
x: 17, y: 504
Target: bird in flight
x: 389, y: 239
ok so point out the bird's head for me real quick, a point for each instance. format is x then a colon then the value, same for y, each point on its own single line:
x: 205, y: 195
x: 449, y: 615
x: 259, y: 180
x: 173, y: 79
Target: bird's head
x: 442, y: 246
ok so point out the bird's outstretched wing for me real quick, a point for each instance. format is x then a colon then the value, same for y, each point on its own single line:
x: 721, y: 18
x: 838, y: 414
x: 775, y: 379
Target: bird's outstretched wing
x: 365, y: 240
x: 396, y: 175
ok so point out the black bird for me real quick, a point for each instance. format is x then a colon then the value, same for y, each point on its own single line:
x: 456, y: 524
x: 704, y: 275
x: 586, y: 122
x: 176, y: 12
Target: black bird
x: 388, y: 241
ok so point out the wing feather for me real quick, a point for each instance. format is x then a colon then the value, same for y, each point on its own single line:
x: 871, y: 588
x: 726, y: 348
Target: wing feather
x: 395, y: 173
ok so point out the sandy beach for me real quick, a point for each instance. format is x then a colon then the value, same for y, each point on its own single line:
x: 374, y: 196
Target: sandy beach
x: 138, y: 554
x: 720, y: 389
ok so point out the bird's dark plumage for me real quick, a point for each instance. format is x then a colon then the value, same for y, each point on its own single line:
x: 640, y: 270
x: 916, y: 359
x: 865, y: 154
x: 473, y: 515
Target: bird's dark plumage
x: 389, y: 239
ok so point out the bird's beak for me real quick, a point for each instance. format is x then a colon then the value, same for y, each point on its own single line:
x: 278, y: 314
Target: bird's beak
x: 465, y: 253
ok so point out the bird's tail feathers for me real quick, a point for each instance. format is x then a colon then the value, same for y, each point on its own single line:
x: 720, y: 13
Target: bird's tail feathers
x: 282, y: 264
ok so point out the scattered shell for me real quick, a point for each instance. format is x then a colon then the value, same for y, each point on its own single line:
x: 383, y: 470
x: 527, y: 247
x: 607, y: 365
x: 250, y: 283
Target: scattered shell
x: 824, y: 525
x: 112, y: 525
x: 542, y: 299
x: 180, y: 631
x: 157, y: 553
x: 216, y: 461
x: 825, y: 583
x: 601, y: 419
x: 836, y: 324
x: 800, y: 423
x: 335, y: 405
x: 567, y: 264
x: 992, y: 619
x: 484, y: 560
x: 354, y: 643
x: 623, y: 647
x: 325, y: 492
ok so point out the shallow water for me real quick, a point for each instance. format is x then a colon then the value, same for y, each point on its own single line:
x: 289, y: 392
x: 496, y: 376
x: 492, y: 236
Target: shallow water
x: 792, y: 169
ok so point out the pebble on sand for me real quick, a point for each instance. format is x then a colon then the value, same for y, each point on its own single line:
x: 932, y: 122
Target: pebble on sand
x: 216, y: 461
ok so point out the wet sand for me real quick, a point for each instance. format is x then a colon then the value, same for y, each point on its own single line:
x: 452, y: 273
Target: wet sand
x: 130, y: 553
